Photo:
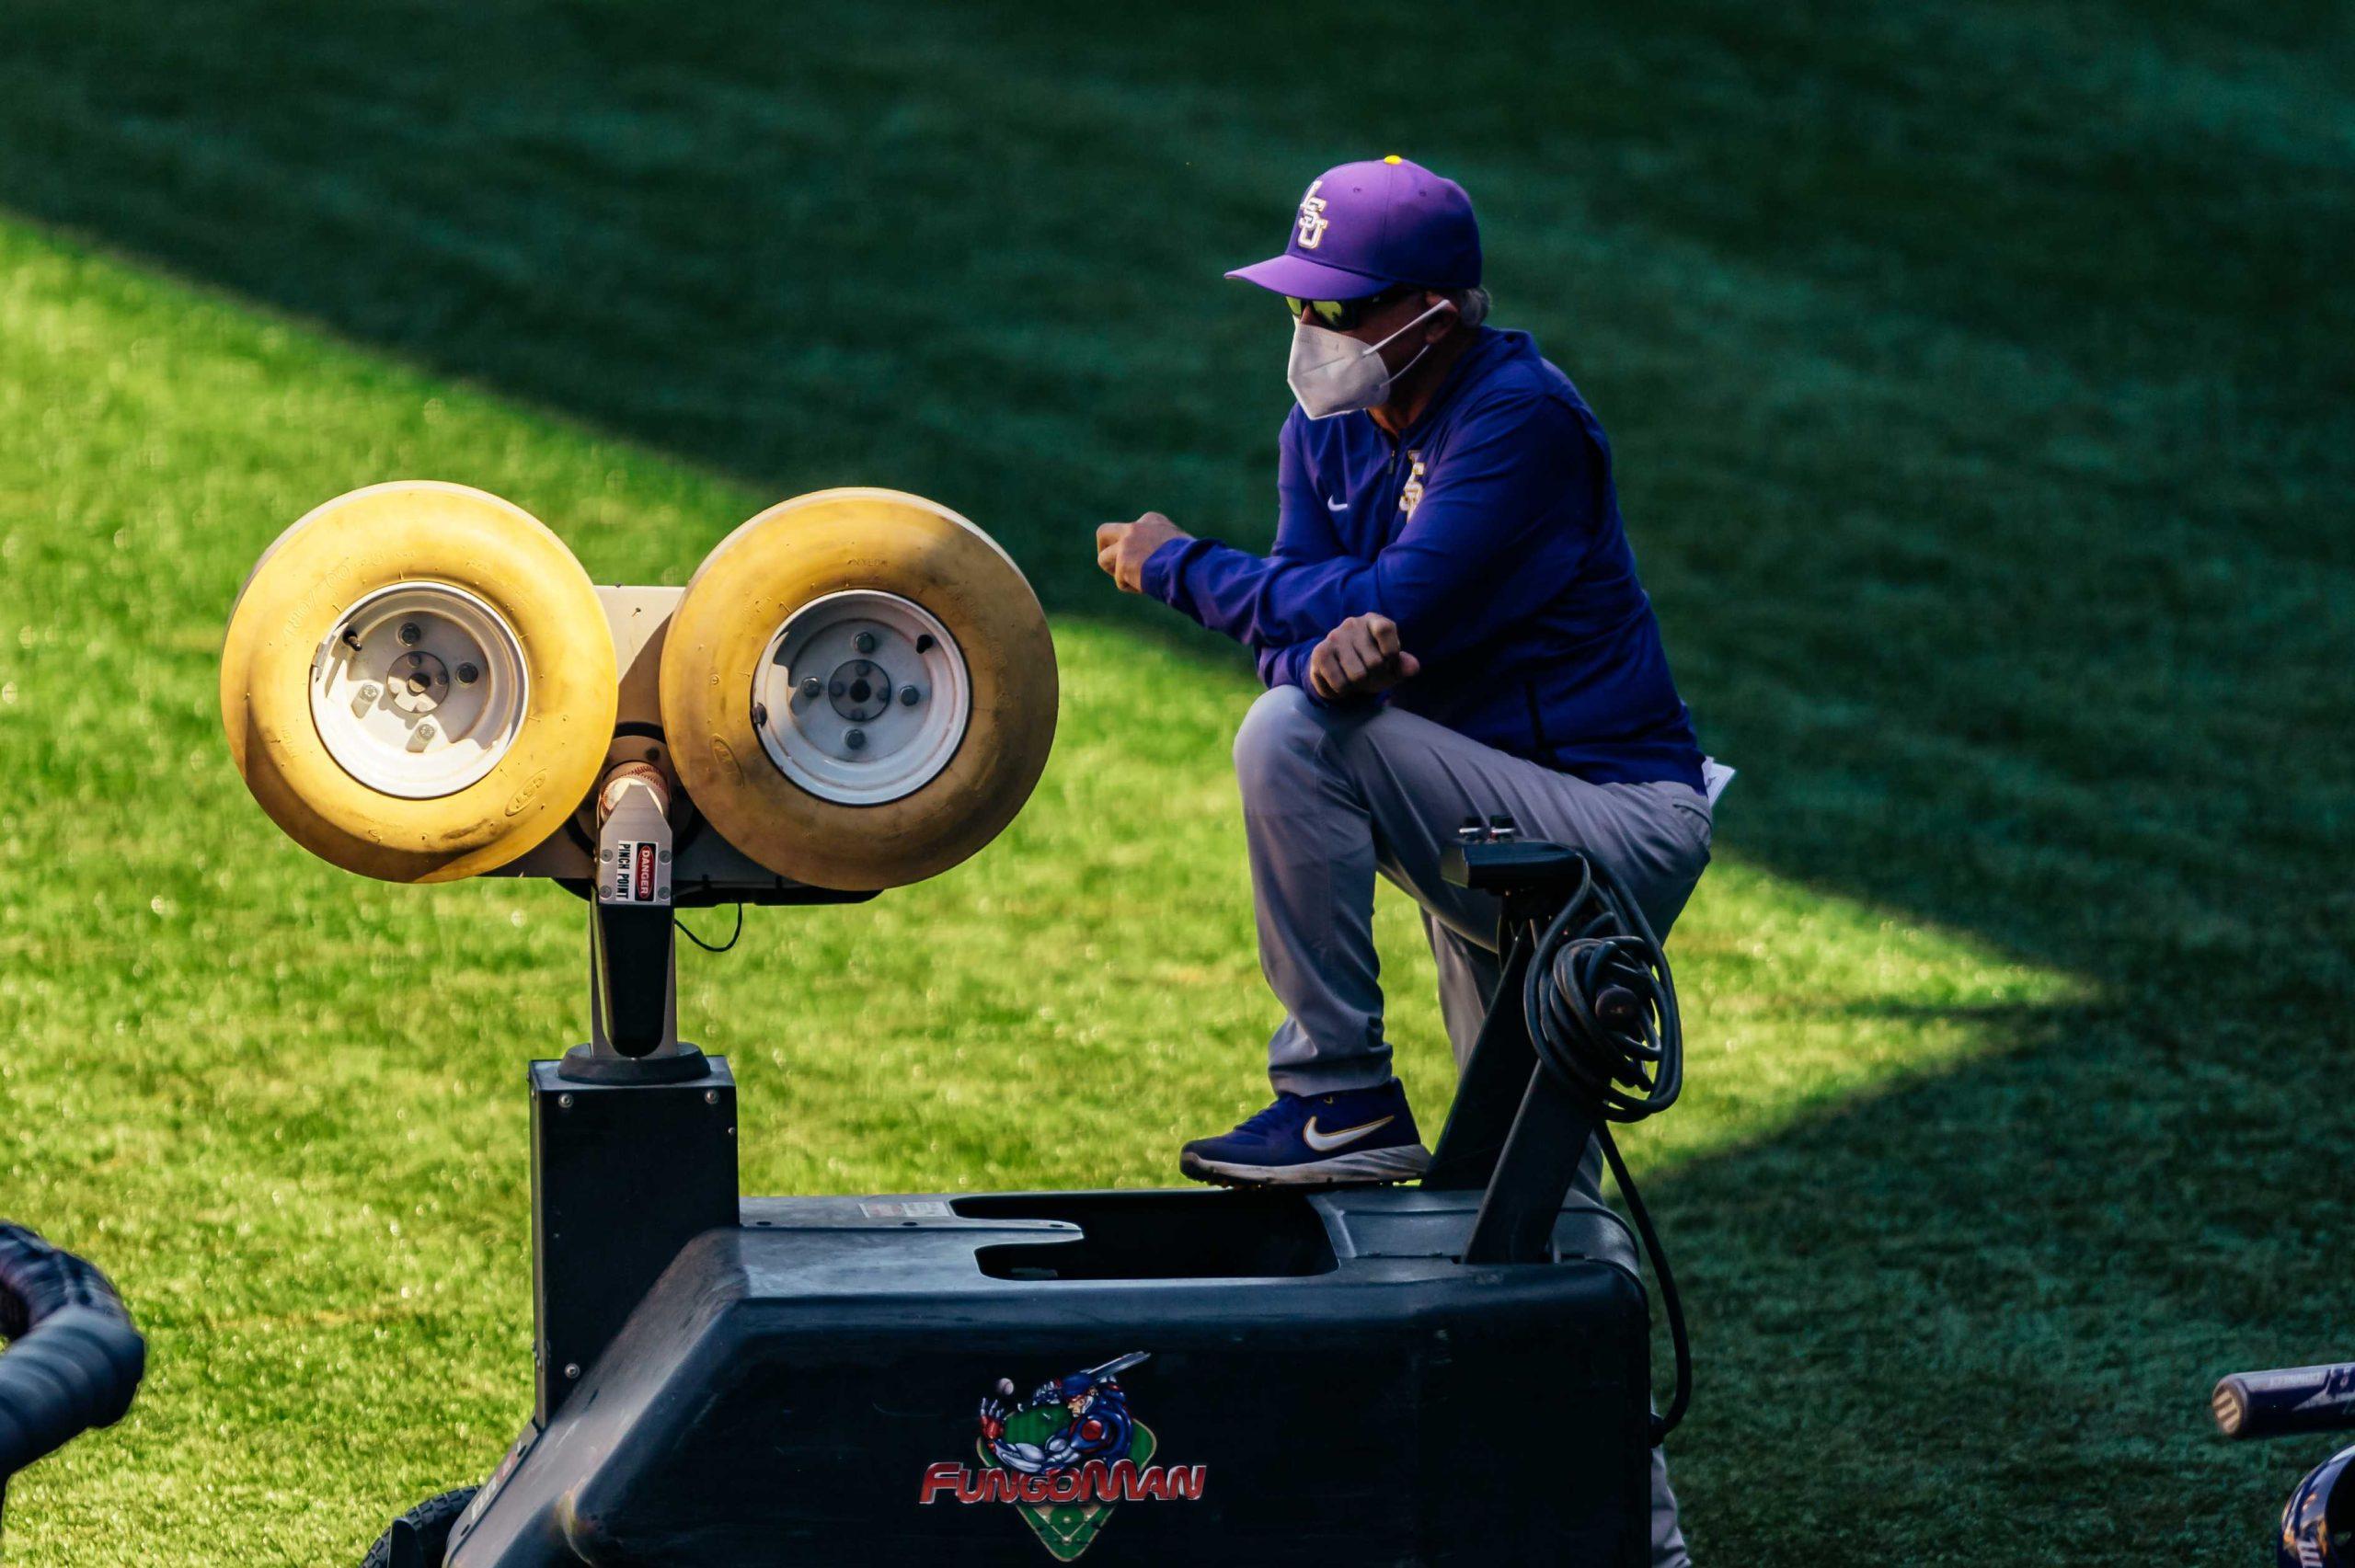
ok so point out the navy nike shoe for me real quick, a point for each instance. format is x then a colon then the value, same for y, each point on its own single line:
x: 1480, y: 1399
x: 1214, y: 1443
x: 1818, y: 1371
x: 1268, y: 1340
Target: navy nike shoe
x: 1316, y: 1141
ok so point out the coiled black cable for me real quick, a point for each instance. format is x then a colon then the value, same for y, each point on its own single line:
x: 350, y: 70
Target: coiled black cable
x: 1602, y: 1010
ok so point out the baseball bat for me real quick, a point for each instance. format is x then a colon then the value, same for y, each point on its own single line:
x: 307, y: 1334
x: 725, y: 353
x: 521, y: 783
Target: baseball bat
x: 2286, y: 1399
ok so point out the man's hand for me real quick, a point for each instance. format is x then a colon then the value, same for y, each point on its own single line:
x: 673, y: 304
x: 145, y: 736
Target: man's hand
x: 1359, y: 658
x: 1121, y: 547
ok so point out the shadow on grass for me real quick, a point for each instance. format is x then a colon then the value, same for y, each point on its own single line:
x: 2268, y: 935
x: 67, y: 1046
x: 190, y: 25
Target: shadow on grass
x: 2016, y: 620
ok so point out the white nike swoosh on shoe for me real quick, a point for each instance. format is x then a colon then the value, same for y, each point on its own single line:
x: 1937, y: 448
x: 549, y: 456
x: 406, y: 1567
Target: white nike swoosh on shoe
x: 1324, y: 1142
x: 1367, y: 1167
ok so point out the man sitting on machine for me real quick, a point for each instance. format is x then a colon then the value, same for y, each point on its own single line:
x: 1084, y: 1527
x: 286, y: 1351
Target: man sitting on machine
x: 1450, y: 626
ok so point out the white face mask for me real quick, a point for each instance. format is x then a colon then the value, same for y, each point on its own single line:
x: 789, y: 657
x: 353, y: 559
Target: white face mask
x: 1332, y: 373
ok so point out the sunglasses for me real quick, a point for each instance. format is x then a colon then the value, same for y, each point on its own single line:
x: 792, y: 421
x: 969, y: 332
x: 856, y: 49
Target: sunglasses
x: 1341, y: 315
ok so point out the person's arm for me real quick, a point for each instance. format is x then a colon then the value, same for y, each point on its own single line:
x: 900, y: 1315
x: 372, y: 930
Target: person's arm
x: 1287, y: 666
x: 1305, y: 534
x: 1465, y: 565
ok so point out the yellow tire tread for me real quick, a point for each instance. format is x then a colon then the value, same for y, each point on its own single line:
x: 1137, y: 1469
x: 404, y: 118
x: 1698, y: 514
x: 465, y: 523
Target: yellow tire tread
x: 434, y: 531
x: 830, y: 541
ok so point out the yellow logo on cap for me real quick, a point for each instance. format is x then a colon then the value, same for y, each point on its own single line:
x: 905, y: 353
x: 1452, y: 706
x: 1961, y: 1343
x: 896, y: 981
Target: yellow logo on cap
x: 1313, y: 220
x: 1392, y: 158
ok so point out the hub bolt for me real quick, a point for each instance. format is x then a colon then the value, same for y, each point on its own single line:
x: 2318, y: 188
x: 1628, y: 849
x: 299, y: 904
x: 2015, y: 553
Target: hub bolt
x: 410, y: 636
x: 469, y: 675
x: 864, y: 642
x: 910, y: 696
x: 421, y: 736
x: 371, y: 691
x: 855, y: 740
x: 812, y: 688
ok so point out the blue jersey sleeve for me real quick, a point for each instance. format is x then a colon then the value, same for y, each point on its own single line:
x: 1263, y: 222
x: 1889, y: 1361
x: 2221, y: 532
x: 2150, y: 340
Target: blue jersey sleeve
x: 1304, y: 533
x: 1288, y: 666
x: 1505, y: 516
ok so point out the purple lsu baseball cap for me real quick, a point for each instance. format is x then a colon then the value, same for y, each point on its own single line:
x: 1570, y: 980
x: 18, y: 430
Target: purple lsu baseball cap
x: 1363, y: 227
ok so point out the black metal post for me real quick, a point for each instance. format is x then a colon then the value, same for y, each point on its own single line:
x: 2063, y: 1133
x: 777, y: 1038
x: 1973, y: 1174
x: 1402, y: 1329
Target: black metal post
x: 634, y: 944
x: 622, y: 1176
x: 632, y: 1149
x: 1534, y: 1172
x: 633, y: 1000
x: 1489, y: 1092
x: 1515, y: 1130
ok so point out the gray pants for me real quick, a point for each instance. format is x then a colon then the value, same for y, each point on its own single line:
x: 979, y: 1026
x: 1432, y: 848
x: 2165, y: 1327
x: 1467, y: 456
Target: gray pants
x: 1331, y: 797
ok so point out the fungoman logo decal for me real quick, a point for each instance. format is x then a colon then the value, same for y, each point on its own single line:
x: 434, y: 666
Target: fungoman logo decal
x: 1064, y: 1458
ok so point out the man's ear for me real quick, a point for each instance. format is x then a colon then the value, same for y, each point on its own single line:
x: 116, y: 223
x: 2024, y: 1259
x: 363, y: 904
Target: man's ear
x: 1445, y: 322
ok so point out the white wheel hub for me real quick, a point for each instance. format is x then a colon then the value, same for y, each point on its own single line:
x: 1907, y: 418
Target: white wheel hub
x: 862, y: 697
x: 420, y: 690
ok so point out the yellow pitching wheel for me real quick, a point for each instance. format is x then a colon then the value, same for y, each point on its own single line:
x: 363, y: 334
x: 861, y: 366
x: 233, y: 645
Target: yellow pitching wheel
x: 859, y: 688
x: 418, y: 681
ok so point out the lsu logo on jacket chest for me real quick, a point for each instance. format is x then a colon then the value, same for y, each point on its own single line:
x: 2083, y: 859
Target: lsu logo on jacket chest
x: 1412, y: 496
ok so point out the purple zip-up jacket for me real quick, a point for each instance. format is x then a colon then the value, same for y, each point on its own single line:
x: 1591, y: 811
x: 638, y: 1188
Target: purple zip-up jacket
x: 1490, y: 532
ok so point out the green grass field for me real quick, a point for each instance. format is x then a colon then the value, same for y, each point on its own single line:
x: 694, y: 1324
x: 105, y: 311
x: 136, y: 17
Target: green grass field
x: 1979, y: 374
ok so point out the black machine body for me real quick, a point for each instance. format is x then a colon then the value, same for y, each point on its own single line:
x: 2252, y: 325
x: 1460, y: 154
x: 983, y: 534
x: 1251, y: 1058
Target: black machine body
x: 1308, y: 1378
x: 1458, y: 1373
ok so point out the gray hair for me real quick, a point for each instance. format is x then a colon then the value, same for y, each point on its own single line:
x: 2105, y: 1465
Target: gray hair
x: 1471, y: 304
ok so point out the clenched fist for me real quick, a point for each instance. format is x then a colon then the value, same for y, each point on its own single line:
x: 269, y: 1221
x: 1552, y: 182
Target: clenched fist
x: 1121, y: 547
x: 1359, y: 658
